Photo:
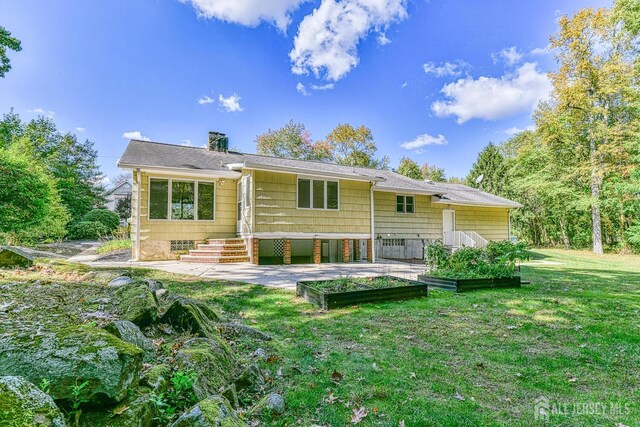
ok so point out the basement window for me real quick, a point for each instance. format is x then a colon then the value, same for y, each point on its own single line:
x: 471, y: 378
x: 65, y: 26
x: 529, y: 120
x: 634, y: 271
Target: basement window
x: 182, y: 245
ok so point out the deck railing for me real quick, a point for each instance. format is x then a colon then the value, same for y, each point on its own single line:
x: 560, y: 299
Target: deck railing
x: 458, y: 239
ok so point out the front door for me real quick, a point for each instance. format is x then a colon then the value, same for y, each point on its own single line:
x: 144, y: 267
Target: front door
x: 448, y: 226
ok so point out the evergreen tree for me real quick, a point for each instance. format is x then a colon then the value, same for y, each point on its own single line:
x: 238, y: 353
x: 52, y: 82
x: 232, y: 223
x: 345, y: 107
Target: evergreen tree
x: 489, y: 171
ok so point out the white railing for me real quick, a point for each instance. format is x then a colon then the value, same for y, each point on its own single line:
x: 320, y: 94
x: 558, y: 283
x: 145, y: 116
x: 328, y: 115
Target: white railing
x: 480, y: 242
x: 459, y: 239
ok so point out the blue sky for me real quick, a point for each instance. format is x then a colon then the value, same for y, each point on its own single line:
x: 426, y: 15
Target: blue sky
x: 434, y: 80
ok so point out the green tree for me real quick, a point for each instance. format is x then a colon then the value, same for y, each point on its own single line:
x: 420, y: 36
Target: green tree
x: 354, y: 147
x: 72, y: 163
x: 488, y: 173
x: 293, y: 141
x: 7, y: 42
x: 27, y: 192
x: 433, y: 173
x: 409, y: 168
x: 593, y: 111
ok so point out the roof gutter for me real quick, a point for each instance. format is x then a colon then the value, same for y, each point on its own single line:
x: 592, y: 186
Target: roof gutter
x: 405, y: 191
x: 301, y: 171
x: 480, y: 204
x: 182, y: 171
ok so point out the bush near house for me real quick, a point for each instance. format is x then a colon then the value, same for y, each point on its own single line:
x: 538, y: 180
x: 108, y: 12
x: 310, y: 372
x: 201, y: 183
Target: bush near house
x: 109, y: 219
x: 87, y: 230
x: 497, y: 260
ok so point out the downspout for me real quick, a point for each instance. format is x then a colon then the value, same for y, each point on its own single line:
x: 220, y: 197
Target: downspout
x: 138, y: 202
x: 509, y: 216
x: 373, y: 242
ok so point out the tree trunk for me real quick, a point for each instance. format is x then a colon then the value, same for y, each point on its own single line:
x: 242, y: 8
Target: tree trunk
x: 595, y: 204
x: 565, y: 237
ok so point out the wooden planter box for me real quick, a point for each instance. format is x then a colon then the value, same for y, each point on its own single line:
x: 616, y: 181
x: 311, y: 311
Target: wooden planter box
x: 465, y: 285
x: 328, y: 301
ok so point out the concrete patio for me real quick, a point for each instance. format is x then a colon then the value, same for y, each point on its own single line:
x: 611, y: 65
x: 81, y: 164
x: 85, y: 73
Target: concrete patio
x: 275, y: 276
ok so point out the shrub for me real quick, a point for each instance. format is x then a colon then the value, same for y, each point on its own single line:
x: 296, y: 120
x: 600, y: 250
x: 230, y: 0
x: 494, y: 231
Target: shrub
x: 109, y: 219
x: 632, y: 237
x: 436, y: 255
x: 497, y: 260
x: 87, y: 230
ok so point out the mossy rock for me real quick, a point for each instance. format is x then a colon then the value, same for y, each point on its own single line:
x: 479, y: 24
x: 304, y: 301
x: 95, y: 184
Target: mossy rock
x: 137, y: 304
x: 250, y: 379
x: 70, y: 356
x: 272, y: 404
x: 137, y: 411
x: 14, y: 257
x: 24, y: 404
x: 157, y: 378
x: 211, y: 359
x: 192, y: 316
x: 213, y: 411
x: 129, y: 332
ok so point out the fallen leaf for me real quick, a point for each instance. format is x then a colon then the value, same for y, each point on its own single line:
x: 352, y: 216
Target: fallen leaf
x: 119, y: 410
x: 358, y: 415
x: 272, y: 358
x: 401, y: 423
x: 459, y: 397
x: 336, y: 377
x: 412, y: 375
x: 572, y: 379
x: 331, y: 399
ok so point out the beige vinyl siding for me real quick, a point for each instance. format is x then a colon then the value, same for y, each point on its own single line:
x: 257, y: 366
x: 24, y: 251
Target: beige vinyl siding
x: 426, y: 223
x: 490, y: 223
x: 275, y: 198
x: 156, y: 235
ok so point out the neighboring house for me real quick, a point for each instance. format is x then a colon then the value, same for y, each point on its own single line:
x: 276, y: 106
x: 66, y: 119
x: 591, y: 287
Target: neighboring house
x: 119, y: 192
x: 237, y: 207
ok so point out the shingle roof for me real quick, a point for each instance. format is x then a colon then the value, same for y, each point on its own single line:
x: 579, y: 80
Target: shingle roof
x: 159, y: 155
x: 462, y: 194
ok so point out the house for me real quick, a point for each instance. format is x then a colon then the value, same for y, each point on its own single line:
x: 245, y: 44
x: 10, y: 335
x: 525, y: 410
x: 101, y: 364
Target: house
x: 118, y: 192
x: 214, y: 205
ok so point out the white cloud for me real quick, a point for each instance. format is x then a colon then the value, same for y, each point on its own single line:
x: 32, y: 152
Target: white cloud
x: 424, y: 140
x: 515, y: 130
x: 206, y: 100
x: 383, y: 40
x: 328, y: 86
x: 405, y: 84
x: 42, y: 112
x: 491, y: 98
x: 509, y: 55
x: 541, y: 51
x: 81, y: 130
x: 327, y: 39
x: 186, y: 142
x: 248, y: 12
x: 231, y: 104
x: 445, y: 68
x: 135, y: 134
x: 302, y: 89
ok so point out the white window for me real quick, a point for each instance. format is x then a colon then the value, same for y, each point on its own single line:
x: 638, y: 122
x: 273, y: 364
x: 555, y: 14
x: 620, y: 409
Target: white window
x: 405, y: 204
x: 181, y: 199
x: 318, y: 194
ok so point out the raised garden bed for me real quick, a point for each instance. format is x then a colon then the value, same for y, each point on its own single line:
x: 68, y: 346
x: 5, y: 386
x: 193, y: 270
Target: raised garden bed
x: 465, y: 285
x: 342, y: 292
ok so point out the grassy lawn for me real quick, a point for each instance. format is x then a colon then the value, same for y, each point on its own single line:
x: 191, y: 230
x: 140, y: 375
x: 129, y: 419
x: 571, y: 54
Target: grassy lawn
x: 481, y: 358
x: 114, y: 245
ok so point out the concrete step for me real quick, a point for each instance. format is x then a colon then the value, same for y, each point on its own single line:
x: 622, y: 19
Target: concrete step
x: 214, y: 259
x: 233, y: 240
x: 222, y: 246
x: 217, y: 253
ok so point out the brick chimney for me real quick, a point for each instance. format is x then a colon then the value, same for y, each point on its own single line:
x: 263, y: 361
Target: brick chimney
x: 218, y: 141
